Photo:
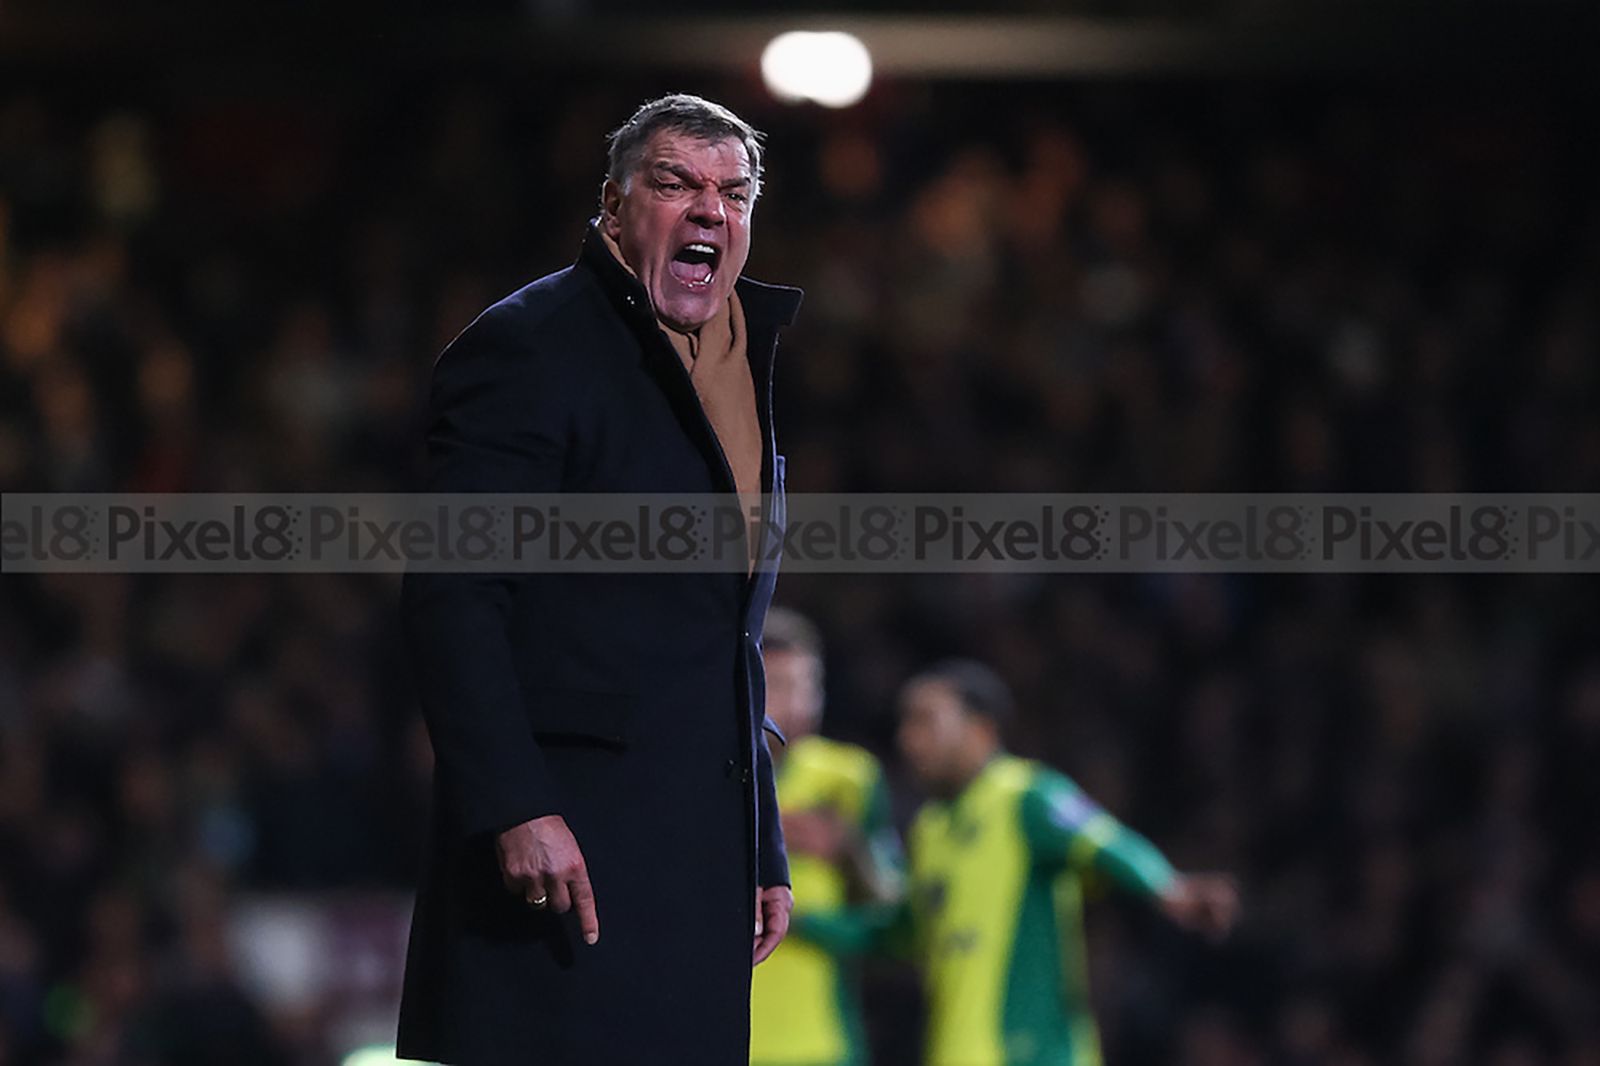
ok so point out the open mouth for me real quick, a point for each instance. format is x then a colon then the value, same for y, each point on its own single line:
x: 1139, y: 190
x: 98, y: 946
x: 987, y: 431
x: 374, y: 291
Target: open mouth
x: 695, y: 265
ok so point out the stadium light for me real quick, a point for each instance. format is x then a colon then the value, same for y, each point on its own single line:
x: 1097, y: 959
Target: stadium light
x: 833, y: 69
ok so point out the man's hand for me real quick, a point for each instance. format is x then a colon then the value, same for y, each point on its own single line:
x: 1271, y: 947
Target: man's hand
x: 773, y: 906
x: 818, y: 832
x: 540, y: 861
x: 1203, y: 903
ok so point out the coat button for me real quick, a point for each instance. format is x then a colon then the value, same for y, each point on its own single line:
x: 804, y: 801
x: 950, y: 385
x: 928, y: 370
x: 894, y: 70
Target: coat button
x: 745, y: 775
x: 729, y: 768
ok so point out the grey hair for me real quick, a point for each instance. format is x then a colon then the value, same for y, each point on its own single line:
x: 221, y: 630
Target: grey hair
x: 786, y: 629
x: 684, y: 113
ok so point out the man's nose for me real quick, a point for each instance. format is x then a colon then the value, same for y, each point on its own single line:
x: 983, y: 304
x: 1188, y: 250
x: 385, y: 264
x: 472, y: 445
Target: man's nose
x: 708, y: 209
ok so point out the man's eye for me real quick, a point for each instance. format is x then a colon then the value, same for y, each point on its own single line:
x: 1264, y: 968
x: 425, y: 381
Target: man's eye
x: 739, y: 197
x: 671, y: 186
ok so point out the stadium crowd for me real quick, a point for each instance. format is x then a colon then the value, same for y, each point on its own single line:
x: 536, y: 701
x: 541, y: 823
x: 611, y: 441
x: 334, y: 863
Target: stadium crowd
x: 1043, y: 288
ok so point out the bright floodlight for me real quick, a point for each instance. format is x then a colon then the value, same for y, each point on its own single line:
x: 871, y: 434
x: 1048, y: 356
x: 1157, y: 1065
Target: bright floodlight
x: 832, y: 69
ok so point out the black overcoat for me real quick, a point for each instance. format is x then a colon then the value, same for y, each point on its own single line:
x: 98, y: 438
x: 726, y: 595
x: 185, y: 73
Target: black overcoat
x: 631, y: 704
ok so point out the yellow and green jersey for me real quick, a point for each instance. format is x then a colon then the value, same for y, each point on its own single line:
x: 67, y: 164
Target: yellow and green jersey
x: 804, y: 1007
x: 994, y: 915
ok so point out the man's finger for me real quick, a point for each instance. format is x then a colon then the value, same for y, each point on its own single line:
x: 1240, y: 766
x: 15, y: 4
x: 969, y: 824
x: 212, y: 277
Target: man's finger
x: 583, y: 899
x: 560, y: 898
x: 765, y: 945
x: 777, y: 926
x: 769, y: 932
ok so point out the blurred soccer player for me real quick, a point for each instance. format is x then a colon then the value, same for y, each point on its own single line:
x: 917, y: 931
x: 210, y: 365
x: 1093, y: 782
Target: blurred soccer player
x: 998, y: 861
x: 842, y: 849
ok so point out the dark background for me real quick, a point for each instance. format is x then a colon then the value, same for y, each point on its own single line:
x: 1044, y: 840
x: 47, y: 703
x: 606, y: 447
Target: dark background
x: 1319, y: 247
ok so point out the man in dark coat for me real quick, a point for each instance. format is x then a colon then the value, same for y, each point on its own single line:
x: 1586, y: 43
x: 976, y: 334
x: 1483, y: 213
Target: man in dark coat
x: 605, y: 862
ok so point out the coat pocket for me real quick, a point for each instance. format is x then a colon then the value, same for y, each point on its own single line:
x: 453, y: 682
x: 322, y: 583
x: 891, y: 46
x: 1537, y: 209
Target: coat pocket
x: 571, y: 714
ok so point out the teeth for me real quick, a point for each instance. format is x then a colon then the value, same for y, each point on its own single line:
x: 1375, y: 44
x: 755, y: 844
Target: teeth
x: 706, y: 248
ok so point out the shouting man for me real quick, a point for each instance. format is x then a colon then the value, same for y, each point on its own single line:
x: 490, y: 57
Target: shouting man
x: 606, y: 861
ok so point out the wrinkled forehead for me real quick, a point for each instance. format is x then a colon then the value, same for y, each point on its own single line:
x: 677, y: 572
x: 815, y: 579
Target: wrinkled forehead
x: 719, y: 160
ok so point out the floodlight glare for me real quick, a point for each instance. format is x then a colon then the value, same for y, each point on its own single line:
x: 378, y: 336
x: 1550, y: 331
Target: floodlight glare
x: 832, y: 69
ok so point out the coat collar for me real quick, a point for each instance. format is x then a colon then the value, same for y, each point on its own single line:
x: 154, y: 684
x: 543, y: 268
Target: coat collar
x: 765, y: 306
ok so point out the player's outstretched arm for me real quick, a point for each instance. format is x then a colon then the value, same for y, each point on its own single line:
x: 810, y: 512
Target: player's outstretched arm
x: 1064, y: 827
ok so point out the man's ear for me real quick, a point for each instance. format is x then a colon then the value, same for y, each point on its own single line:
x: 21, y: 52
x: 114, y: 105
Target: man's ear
x: 611, y: 208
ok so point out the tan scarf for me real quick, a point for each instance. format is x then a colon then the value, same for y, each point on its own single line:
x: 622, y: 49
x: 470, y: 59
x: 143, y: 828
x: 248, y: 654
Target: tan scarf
x: 715, y: 357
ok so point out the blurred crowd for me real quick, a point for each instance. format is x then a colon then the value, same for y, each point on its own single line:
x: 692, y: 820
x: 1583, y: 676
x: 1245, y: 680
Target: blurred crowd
x: 232, y: 286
